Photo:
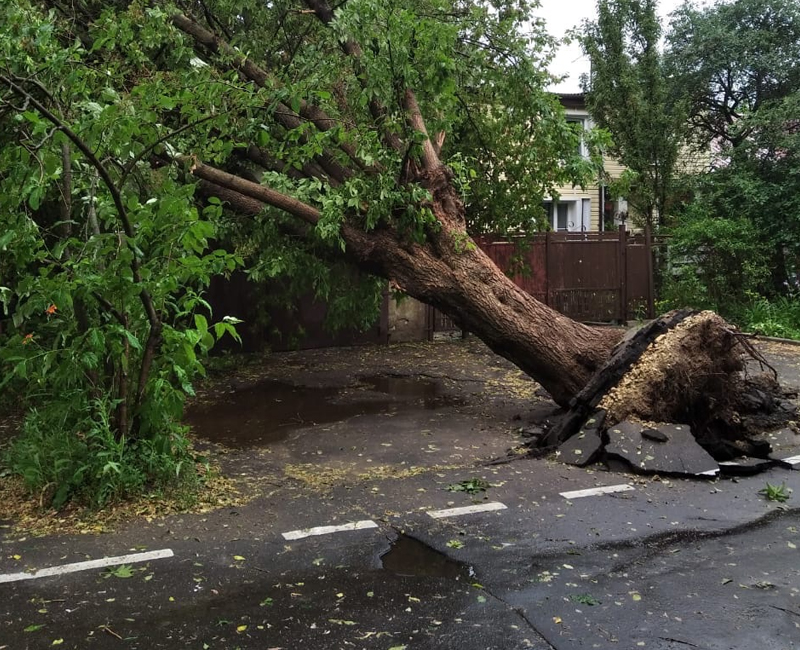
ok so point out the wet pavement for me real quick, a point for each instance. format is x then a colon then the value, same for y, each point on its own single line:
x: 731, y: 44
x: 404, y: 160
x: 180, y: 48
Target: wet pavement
x: 666, y: 563
x: 270, y: 410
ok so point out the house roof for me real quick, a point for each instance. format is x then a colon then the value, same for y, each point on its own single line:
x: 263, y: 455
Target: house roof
x: 572, y: 100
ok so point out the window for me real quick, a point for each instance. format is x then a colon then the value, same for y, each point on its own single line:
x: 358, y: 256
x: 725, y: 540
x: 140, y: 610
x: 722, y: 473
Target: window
x: 568, y: 216
x: 581, y: 121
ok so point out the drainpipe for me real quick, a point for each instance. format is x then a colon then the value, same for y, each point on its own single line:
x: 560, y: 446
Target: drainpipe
x: 601, y: 226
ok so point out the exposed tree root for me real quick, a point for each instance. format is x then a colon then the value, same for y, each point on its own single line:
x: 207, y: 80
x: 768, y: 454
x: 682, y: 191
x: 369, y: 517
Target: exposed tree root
x: 700, y: 372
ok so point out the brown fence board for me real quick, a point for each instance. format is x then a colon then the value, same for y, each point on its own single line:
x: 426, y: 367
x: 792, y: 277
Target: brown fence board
x: 599, y: 276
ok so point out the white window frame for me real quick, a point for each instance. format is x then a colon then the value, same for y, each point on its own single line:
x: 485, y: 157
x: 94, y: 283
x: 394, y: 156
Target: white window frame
x: 578, y: 214
x: 585, y: 122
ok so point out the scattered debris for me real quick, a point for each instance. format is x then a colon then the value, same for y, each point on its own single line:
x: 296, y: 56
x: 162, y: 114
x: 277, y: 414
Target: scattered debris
x: 470, y: 486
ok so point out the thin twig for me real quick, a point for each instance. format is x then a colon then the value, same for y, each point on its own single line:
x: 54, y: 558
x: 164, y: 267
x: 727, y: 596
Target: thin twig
x: 753, y: 352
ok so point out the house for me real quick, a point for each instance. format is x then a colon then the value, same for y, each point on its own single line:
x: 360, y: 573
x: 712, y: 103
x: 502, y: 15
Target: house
x: 592, y: 208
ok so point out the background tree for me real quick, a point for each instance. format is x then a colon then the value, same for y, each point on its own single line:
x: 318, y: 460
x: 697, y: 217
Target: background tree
x: 737, y: 64
x: 629, y: 93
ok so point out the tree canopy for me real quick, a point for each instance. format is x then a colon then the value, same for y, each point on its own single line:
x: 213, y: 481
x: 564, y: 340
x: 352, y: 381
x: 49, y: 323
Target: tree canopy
x: 148, y: 146
x: 736, y: 64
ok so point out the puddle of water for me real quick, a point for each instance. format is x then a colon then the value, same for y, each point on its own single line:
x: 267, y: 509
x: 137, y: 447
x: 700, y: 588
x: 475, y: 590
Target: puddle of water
x: 410, y: 557
x: 410, y: 387
x: 268, y: 411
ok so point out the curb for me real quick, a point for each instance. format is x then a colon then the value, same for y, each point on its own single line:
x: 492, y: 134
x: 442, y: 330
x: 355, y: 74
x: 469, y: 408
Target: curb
x: 772, y: 339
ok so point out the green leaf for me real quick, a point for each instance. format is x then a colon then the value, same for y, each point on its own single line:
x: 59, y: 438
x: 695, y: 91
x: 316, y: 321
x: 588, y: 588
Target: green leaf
x: 134, y: 342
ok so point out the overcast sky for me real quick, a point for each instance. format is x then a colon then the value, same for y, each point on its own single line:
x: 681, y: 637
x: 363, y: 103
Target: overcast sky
x: 563, y: 15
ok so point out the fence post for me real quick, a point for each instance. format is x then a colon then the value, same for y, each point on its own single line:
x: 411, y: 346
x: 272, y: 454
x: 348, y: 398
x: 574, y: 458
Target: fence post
x: 430, y: 319
x: 547, y: 238
x: 651, y: 290
x: 622, y: 265
x: 383, y: 331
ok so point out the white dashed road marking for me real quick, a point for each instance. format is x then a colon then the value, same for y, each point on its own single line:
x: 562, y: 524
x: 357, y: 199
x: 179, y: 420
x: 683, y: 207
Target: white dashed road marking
x: 466, y: 510
x: 792, y: 460
x: 89, y: 564
x: 608, y: 489
x: 324, y: 530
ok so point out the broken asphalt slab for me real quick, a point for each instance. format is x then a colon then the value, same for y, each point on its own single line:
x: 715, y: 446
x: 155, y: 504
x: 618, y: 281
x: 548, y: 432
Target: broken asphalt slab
x: 676, y: 451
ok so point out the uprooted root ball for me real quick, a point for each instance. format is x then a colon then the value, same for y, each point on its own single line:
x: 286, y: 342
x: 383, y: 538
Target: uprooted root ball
x: 696, y: 374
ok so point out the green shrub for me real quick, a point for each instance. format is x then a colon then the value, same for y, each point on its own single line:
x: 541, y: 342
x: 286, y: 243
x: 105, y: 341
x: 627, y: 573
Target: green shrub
x: 779, y: 317
x: 69, y: 449
x: 713, y: 262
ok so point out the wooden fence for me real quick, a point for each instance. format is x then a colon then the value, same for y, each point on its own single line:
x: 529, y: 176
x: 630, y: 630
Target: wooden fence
x: 588, y: 276
x: 599, y: 277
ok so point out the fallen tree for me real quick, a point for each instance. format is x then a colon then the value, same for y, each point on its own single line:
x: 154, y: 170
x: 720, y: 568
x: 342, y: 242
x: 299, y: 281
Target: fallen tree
x: 361, y: 170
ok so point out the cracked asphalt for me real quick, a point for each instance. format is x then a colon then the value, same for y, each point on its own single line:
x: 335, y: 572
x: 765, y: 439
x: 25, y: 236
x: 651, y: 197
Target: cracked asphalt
x: 671, y: 564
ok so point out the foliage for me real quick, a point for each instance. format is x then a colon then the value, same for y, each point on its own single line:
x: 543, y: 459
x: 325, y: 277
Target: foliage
x: 585, y: 599
x: 778, y: 317
x: 470, y: 486
x: 779, y: 493
x: 629, y: 94
x: 713, y: 263
x: 103, y: 266
x: 736, y: 64
x: 731, y: 59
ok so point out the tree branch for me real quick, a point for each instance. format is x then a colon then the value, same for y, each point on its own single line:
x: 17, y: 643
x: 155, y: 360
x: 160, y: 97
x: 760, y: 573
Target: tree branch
x: 129, y: 167
x: 352, y: 49
x: 430, y: 161
x: 285, y: 116
x: 262, y: 193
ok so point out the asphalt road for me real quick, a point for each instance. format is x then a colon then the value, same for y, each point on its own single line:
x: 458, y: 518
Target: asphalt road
x: 661, y: 563
x: 676, y: 564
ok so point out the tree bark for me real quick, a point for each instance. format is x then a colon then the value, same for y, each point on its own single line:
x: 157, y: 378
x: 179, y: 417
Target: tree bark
x: 451, y: 273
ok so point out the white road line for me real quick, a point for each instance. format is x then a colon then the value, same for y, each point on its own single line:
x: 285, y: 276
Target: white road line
x: 608, y: 489
x: 710, y: 472
x: 89, y: 564
x: 324, y: 530
x: 466, y: 510
x: 792, y: 460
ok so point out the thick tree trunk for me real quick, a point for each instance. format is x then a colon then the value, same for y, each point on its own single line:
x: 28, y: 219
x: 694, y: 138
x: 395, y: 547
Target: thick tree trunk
x: 451, y: 273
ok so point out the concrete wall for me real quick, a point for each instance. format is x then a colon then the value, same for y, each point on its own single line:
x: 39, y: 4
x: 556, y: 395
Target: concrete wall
x: 407, y: 320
